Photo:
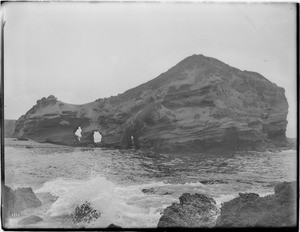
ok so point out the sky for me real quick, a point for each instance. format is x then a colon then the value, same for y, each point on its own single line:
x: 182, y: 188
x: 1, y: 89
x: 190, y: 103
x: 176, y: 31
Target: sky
x: 80, y: 52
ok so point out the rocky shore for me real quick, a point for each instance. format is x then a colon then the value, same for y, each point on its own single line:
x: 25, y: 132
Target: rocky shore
x: 247, y: 210
x: 199, y: 105
x: 192, y: 211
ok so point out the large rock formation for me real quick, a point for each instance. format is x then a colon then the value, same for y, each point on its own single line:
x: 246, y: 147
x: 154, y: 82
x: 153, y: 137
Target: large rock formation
x: 200, y: 104
x: 250, y: 210
x: 196, y: 210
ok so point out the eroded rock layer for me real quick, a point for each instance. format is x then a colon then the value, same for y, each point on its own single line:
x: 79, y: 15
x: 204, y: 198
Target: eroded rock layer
x: 198, y: 105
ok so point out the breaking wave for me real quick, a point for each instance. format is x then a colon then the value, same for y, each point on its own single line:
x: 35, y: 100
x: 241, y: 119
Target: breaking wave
x: 126, y: 206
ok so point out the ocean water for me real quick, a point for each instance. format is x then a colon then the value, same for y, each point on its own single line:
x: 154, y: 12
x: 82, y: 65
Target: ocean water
x: 112, y: 180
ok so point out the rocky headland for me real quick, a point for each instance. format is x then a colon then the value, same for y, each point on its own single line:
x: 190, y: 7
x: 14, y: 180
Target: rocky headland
x: 247, y: 210
x: 201, y: 104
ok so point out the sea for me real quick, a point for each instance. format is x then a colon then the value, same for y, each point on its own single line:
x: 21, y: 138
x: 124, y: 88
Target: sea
x: 131, y: 188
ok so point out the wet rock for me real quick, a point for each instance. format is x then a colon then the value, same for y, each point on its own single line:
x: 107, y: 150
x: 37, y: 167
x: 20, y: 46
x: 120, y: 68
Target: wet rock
x: 250, y: 210
x: 30, y: 220
x: 207, y: 182
x: 113, y: 226
x: 195, y: 210
x: 85, y: 214
x: 167, y: 193
x: 150, y: 190
x: 15, y: 201
x: 157, y: 191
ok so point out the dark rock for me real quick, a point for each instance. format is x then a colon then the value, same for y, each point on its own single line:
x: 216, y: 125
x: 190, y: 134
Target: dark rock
x: 30, y: 220
x: 150, y: 190
x: 195, y: 210
x: 207, y: 182
x: 167, y: 193
x: 250, y: 210
x: 85, y: 214
x: 113, y: 226
x: 156, y: 191
x: 224, y: 110
x: 15, y: 201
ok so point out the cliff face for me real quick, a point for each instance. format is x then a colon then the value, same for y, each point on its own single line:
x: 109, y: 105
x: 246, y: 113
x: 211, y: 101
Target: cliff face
x: 198, y: 105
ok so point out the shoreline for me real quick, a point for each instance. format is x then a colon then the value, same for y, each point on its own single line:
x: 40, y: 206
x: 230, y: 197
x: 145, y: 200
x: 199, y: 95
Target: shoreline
x: 224, y: 211
x: 217, y: 151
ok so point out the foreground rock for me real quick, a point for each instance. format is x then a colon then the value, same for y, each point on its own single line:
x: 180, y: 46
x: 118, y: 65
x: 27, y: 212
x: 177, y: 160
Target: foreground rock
x: 208, y: 182
x: 113, y: 226
x: 157, y: 191
x: 195, y: 210
x: 250, y: 210
x: 200, y: 104
x: 30, y: 220
x: 85, y: 214
x: 15, y: 201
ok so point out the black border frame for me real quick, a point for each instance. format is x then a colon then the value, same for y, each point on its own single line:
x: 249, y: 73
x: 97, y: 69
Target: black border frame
x: 2, y: 106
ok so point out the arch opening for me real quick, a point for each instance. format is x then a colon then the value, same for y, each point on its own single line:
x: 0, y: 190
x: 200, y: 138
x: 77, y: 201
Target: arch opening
x: 97, y: 137
x: 78, y: 133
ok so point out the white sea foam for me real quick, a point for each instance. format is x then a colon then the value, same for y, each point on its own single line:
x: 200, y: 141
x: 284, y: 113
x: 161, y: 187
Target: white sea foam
x: 126, y: 206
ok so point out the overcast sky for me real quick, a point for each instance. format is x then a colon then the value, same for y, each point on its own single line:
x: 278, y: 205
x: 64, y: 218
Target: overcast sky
x: 81, y: 52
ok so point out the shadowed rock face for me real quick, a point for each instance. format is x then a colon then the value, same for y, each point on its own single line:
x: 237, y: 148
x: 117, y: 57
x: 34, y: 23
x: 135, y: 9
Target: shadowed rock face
x: 250, y: 210
x: 196, y: 210
x: 15, y: 201
x: 200, y: 104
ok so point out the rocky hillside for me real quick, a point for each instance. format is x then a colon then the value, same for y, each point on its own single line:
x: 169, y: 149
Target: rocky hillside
x: 9, y: 128
x: 199, y: 104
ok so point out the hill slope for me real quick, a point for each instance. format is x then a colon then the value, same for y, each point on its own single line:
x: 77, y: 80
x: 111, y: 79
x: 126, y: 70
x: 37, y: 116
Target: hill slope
x: 199, y: 104
x: 9, y: 128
